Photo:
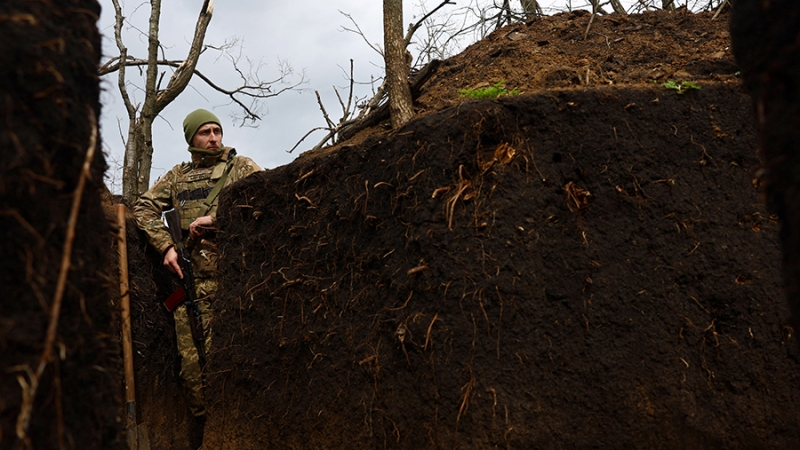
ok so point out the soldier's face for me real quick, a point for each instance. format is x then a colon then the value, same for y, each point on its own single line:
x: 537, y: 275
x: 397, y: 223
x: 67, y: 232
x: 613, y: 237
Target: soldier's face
x: 208, y: 137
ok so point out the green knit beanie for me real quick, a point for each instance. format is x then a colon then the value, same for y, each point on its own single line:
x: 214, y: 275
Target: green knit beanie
x: 195, y: 120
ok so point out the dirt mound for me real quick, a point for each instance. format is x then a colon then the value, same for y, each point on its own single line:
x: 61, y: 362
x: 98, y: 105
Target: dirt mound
x: 579, y: 267
x: 49, y: 106
x: 557, y: 52
x: 574, y: 50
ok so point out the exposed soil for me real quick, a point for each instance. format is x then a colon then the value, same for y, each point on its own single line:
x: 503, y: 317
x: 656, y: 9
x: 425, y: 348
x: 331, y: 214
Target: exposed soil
x: 49, y: 106
x: 584, y: 265
x: 613, y: 282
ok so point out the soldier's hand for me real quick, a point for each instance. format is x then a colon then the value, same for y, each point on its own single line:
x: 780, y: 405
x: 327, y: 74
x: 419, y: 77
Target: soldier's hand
x: 200, y: 226
x: 171, y: 262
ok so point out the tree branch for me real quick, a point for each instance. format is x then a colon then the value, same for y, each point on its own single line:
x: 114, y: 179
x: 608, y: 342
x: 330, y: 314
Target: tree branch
x: 346, y: 112
x: 324, y: 140
x: 360, y: 33
x: 128, y: 175
x: 152, y: 57
x: 414, y: 27
x: 333, y: 129
x: 123, y: 55
x: 179, y: 80
x: 260, y: 90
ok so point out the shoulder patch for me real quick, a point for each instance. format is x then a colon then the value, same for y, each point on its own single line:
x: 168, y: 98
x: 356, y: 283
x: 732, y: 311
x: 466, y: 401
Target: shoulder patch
x: 186, y: 167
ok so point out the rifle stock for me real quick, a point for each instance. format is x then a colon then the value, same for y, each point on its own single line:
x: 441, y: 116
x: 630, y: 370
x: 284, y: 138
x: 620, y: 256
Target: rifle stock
x: 190, y: 296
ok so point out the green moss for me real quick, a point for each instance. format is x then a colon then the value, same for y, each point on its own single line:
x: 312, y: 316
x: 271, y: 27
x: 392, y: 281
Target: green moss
x: 493, y: 91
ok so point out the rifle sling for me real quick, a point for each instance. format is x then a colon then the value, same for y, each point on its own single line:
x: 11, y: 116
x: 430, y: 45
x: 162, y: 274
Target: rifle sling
x: 208, y: 203
x: 218, y: 187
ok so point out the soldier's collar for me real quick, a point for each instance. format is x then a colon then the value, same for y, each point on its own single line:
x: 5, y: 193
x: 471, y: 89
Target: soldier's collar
x: 228, y: 153
x: 207, y: 158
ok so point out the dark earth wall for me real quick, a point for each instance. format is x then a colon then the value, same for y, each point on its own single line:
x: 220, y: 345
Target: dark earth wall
x: 575, y: 269
x: 49, y: 106
x: 766, y: 40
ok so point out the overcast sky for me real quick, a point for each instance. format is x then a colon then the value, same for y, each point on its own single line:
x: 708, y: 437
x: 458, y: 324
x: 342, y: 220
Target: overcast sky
x: 308, y: 34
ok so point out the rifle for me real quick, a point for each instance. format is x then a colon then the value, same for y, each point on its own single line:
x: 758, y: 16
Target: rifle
x: 186, y: 293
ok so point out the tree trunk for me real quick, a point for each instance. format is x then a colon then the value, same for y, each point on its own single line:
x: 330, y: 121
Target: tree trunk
x: 130, y: 181
x: 618, y: 8
x: 400, y: 104
x: 596, y: 8
x: 139, y: 147
x: 146, y: 153
x: 531, y: 8
x: 138, y: 158
x: 668, y: 5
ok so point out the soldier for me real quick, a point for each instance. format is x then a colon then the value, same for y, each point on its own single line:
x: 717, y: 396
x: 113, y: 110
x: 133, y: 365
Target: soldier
x: 189, y: 187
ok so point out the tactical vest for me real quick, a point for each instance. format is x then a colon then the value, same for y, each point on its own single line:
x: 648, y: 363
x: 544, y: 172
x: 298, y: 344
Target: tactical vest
x: 193, y: 187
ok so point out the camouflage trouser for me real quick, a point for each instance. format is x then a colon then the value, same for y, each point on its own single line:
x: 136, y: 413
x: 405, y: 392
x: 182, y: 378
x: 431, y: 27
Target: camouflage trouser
x: 191, y: 374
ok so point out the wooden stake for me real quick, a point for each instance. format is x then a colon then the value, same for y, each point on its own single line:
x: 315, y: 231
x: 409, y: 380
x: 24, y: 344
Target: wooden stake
x: 137, y: 437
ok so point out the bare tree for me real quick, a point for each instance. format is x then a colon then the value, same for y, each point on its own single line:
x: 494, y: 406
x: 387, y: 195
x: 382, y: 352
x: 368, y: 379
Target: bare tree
x: 139, y: 144
x: 397, y: 64
x: 373, y: 109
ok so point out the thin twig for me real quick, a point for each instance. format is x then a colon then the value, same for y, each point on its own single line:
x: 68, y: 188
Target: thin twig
x: 414, y: 27
x: 589, y: 27
x: 324, y: 112
x: 591, y: 20
x: 346, y: 109
x: 333, y: 129
x: 307, y: 135
x: 360, y: 33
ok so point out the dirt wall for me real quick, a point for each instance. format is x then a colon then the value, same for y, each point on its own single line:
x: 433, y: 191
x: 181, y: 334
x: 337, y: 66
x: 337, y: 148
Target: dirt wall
x: 571, y: 269
x: 49, y: 107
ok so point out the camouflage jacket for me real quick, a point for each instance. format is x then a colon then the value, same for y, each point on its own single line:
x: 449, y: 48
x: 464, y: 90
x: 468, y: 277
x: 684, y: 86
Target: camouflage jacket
x: 186, y: 188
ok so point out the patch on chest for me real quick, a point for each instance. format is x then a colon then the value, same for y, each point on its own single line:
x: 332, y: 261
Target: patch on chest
x: 197, y: 175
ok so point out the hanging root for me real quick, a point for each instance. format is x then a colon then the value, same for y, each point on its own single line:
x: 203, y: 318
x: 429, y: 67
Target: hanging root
x: 461, y: 192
